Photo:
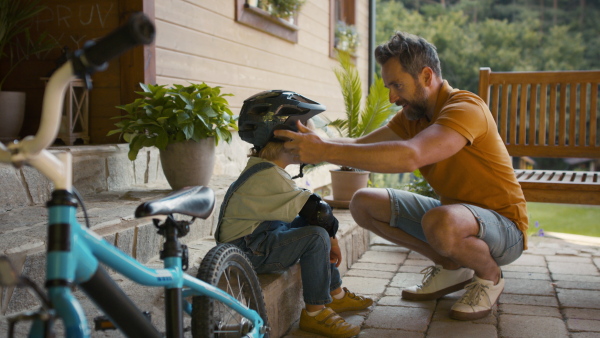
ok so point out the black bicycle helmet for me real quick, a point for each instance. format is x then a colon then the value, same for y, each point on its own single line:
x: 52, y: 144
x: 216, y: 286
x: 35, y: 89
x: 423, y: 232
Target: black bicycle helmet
x: 270, y: 110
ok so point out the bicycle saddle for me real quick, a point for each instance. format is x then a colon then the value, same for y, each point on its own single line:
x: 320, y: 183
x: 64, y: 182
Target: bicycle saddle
x: 195, y: 201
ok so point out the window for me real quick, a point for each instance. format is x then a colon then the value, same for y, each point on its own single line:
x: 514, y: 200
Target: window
x: 342, y: 32
x: 247, y: 13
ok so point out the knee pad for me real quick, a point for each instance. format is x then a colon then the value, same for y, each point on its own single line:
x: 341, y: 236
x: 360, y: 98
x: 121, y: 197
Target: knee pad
x: 319, y: 213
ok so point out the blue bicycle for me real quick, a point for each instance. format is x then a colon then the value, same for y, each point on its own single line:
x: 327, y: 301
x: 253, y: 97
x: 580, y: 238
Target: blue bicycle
x: 224, y: 300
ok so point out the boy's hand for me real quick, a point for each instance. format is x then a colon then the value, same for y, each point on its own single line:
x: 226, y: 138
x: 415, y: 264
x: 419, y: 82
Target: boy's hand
x: 335, y: 255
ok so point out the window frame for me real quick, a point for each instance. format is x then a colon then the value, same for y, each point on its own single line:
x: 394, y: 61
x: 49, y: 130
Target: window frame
x: 264, y: 21
x: 348, y: 15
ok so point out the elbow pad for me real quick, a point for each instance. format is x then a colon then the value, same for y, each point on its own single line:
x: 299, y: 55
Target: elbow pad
x: 319, y: 213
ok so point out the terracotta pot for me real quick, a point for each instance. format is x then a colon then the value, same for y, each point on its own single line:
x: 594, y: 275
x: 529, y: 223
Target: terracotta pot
x: 345, y: 183
x: 12, y: 111
x: 188, y: 163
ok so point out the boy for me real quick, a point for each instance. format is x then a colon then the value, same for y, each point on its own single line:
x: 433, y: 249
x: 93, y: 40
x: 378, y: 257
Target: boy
x: 276, y: 223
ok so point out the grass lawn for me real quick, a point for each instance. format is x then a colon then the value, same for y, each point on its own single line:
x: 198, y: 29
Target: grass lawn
x: 565, y: 218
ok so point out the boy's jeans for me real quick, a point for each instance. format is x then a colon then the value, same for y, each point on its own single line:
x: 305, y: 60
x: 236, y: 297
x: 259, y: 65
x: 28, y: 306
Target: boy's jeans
x: 276, y: 245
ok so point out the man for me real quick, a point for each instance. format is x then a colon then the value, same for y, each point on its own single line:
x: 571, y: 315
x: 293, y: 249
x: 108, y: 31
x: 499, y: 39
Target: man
x: 480, y: 221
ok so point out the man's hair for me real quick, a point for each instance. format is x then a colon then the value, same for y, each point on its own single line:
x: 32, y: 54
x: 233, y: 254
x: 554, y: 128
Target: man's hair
x: 271, y: 151
x: 413, y: 52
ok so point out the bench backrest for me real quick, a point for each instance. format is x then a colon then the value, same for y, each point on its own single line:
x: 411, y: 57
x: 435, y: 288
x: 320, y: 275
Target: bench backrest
x: 545, y: 114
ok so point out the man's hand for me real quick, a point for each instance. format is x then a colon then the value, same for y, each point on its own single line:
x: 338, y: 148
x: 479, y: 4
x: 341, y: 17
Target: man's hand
x: 335, y: 255
x: 305, y: 144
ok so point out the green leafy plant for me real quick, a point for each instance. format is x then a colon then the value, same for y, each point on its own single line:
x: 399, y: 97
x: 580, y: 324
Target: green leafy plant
x: 16, y: 42
x: 419, y: 185
x: 282, y: 8
x: 165, y: 115
x: 360, y: 120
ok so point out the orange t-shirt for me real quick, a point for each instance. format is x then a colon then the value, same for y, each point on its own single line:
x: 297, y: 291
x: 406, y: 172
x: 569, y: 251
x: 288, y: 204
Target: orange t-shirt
x: 481, y: 173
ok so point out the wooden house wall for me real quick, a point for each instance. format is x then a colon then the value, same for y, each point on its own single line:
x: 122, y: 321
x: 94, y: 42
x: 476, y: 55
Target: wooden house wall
x: 197, y: 41
x: 200, y: 41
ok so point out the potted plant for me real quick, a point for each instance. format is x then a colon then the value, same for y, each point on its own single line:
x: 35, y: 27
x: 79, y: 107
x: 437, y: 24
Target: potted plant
x: 184, y: 122
x: 16, y: 46
x: 360, y: 120
x: 284, y: 9
x: 346, y: 38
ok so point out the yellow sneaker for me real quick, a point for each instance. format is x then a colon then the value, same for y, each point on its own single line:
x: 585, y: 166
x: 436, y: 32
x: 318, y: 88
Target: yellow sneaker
x: 350, y: 302
x: 328, y: 324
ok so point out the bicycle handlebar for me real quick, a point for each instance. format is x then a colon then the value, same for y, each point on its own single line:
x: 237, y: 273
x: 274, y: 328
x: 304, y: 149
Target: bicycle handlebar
x: 93, y: 57
x: 138, y: 30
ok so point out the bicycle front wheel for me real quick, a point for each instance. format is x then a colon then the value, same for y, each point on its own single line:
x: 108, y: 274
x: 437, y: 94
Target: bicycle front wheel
x: 226, y: 267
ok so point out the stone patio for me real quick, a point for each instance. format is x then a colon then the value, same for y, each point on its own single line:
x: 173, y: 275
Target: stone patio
x: 553, y: 290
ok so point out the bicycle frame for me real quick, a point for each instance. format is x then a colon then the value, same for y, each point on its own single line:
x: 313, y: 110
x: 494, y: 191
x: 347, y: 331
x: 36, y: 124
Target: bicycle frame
x: 74, y: 252
x: 79, y: 261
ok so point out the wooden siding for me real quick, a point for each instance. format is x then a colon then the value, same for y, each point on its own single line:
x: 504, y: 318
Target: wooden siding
x: 197, y: 41
x: 200, y: 41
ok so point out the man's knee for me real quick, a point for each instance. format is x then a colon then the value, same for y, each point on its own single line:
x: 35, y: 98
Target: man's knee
x: 370, y: 204
x: 446, y: 226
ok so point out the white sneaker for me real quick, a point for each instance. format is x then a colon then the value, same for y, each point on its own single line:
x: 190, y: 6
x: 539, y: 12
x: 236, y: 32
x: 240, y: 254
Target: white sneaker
x: 478, y: 301
x: 438, y: 282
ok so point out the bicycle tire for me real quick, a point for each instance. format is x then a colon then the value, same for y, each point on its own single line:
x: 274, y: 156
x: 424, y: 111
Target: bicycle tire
x: 226, y: 267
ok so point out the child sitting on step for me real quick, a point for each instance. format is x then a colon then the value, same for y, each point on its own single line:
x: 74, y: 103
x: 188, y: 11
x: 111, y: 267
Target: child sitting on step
x: 277, y: 223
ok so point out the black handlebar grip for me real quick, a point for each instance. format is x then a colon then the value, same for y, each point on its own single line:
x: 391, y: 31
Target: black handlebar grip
x: 138, y: 30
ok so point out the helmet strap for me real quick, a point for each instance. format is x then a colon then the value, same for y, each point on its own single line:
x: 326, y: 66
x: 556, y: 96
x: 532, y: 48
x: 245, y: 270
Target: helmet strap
x: 301, y: 174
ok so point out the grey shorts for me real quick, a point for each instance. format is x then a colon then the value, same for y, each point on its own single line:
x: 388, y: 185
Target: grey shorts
x: 502, y: 236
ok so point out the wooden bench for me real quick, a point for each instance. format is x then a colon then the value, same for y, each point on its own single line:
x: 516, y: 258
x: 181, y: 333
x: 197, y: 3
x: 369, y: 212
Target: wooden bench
x: 548, y: 114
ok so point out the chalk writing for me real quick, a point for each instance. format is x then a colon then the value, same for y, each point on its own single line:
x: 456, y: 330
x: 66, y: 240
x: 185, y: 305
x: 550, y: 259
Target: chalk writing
x: 66, y: 24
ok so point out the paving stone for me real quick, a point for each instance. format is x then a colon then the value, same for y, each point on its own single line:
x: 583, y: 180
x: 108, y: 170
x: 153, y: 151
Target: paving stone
x: 531, y: 287
x: 382, y: 333
x: 460, y: 330
x: 530, y: 260
x: 568, y: 259
x: 584, y: 335
x: 13, y: 194
x: 578, y: 285
x: 528, y: 300
x: 529, y: 310
x: 120, y: 173
x: 416, y: 255
x: 418, y: 262
x: 391, y: 291
x: 444, y: 305
x: 412, y: 269
x: 370, y: 274
x: 377, y: 241
x: 388, y: 248
x: 541, y: 251
x: 567, y: 252
x: 582, y: 314
x: 398, y: 301
x: 375, y: 266
x: 531, y: 327
x: 404, y: 280
x: 583, y: 325
x: 383, y: 257
x: 397, y: 317
x: 365, y: 286
x: 524, y: 268
x: 579, y: 298
x: 147, y: 235
x: 573, y: 268
x: 576, y: 278
x: 90, y: 177
x: 526, y: 275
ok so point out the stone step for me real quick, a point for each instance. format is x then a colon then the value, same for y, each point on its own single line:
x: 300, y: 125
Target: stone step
x: 23, y: 238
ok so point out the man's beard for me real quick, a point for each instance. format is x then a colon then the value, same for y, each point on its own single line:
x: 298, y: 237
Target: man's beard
x: 417, y: 108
